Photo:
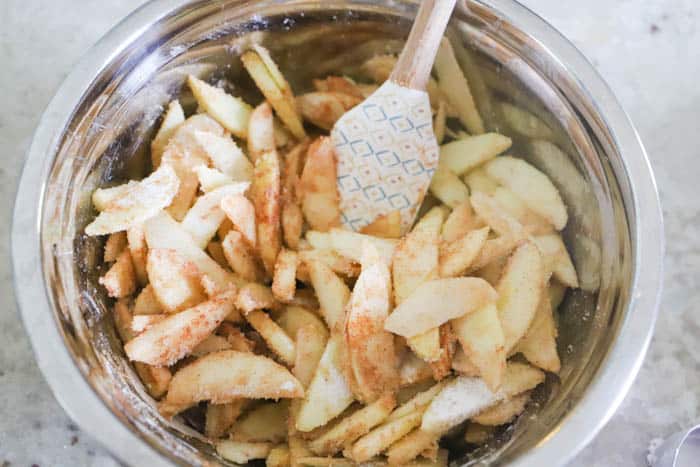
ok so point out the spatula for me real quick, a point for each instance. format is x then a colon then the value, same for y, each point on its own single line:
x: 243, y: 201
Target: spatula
x: 386, y: 147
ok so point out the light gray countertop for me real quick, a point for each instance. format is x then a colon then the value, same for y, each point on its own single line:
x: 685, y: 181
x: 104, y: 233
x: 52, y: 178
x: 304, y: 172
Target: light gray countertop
x: 648, y: 51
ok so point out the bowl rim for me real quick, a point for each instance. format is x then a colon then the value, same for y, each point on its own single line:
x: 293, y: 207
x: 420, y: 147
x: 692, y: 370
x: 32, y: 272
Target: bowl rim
x: 597, y: 405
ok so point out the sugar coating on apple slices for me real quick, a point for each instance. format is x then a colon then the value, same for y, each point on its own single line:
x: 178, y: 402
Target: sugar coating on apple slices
x: 236, y: 286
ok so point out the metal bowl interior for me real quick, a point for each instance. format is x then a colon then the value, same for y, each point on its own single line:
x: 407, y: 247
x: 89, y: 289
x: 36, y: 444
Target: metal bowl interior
x: 96, y: 130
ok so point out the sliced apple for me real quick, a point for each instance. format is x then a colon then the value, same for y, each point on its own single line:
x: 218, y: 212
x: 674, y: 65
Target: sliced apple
x: 292, y: 223
x: 494, y: 216
x: 241, y: 257
x: 379, y: 439
x: 163, y: 232
x: 365, y: 337
x: 136, y: 238
x: 231, y: 112
x: 349, y: 244
x: 354, y: 426
x: 174, y: 117
x: 211, y: 344
x: 310, y: 344
x: 211, y: 179
x: 184, y: 153
x: 229, y: 375
x: 293, y: 318
x: 447, y: 187
x: 254, y: 296
x: 225, y: 156
x: 532, y: 222
x: 481, y: 336
x: 169, y: 340
x: 415, y: 260
x: 411, y: 446
x: 463, y: 155
x: 539, y: 344
x: 114, y: 245
x: 337, y: 263
x: 556, y: 292
x: 241, y: 452
x: 265, y: 193
x: 460, y: 222
x: 276, y: 339
x: 465, y: 397
x: 503, y: 412
x: 204, y: 218
x: 519, y: 292
x: 426, y: 345
x: 278, y: 457
x: 176, y: 282
x: 324, y: 109
x: 532, y: 186
x: 147, y: 303
x: 265, y: 423
x: 220, y: 417
x: 479, y: 181
x: 463, y: 365
x: 140, y: 323
x: 440, y: 121
x: 284, y: 278
x: 328, y: 394
x: 338, y: 84
x: 454, y: 86
x: 417, y: 403
x: 442, y: 367
x: 436, y: 302
x: 241, y: 213
x: 155, y: 378
x: 120, y: 279
x: 133, y: 203
x: 458, y: 256
x: 414, y: 370
x: 557, y: 259
x: 274, y: 87
x: 385, y: 226
x: 320, y: 200
x: 261, y: 131
x: 332, y: 292
x: 494, y: 253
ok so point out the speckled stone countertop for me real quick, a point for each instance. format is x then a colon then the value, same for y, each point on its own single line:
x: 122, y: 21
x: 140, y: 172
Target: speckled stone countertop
x: 649, y: 52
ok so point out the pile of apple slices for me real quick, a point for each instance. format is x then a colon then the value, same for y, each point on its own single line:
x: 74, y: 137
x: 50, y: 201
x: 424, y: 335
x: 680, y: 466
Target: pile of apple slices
x: 238, y: 293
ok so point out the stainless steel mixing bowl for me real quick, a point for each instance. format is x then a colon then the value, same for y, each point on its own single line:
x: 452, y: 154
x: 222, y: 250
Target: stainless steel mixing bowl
x: 94, y: 130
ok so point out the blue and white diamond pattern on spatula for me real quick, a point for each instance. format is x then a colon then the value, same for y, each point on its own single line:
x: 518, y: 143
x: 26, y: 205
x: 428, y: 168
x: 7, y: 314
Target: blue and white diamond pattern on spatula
x: 386, y: 147
x: 387, y: 154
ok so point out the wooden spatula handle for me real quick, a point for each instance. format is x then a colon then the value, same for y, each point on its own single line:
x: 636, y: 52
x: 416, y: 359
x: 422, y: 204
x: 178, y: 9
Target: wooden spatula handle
x: 416, y: 61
